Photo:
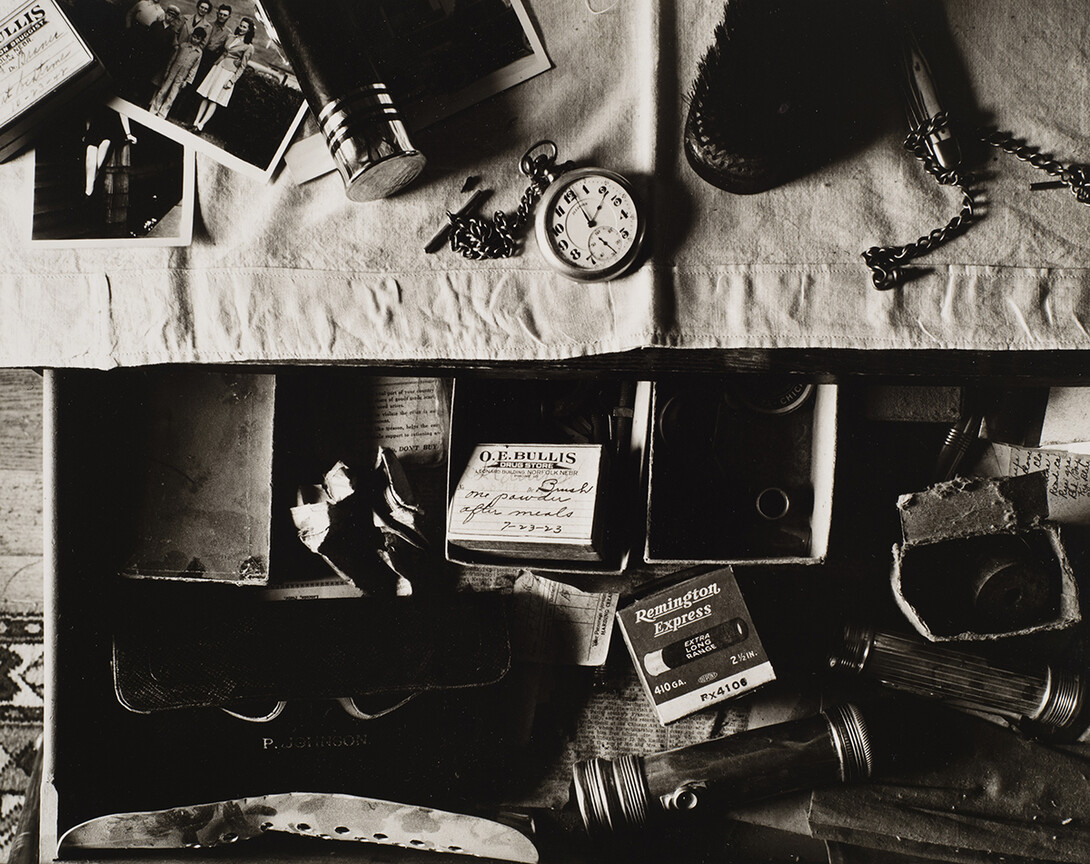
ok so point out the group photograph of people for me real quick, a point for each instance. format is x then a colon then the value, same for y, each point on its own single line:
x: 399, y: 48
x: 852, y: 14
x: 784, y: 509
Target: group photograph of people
x: 213, y: 71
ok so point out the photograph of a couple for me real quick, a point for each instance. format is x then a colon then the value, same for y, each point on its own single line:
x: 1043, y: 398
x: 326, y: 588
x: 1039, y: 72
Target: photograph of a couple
x: 207, y: 74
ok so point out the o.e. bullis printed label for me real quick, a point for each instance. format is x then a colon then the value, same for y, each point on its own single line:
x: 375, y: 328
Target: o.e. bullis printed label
x: 39, y: 50
x: 539, y: 494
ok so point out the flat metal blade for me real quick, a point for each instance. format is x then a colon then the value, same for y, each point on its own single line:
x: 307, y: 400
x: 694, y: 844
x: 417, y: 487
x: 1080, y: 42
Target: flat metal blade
x: 325, y: 816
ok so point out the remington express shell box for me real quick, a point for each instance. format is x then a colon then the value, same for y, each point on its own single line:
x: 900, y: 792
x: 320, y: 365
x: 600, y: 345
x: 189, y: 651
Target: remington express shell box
x: 44, y: 63
x: 536, y: 500
x: 694, y: 645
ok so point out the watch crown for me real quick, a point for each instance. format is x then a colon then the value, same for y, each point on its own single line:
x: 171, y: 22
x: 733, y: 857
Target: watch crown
x: 554, y: 170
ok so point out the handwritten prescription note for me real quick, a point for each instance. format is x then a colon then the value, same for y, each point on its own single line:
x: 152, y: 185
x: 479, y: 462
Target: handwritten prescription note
x: 536, y: 494
x: 1068, y: 478
x: 38, y: 51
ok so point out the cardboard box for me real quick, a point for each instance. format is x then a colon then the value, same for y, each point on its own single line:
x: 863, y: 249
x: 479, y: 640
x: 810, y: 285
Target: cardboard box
x: 610, y: 414
x: 202, y: 467
x: 734, y: 481
x: 913, y: 403
x: 980, y: 560
x: 199, y: 448
x: 102, y: 758
x: 531, y: 501
x: 694, y: 645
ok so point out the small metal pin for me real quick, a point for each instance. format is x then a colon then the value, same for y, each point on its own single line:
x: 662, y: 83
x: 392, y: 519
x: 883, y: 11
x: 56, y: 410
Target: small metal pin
x: 1047, y: 184
x: 440, y: 238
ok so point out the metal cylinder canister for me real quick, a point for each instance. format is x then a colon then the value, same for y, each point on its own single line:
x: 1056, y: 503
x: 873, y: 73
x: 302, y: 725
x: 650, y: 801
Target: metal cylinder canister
x: 626, y: 792
x: 358, y: 117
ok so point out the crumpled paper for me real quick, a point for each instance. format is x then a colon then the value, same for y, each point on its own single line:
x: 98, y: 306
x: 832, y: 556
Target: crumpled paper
x: 349, y: 521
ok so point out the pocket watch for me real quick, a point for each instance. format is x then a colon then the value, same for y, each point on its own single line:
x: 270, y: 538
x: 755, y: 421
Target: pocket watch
x: 589, y: 223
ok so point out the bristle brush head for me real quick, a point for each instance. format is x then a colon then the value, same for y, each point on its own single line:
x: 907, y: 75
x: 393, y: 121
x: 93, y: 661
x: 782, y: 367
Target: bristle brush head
x: 770, y: 91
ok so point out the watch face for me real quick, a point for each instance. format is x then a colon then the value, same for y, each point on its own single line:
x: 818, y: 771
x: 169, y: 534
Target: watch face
x: 589, y: 225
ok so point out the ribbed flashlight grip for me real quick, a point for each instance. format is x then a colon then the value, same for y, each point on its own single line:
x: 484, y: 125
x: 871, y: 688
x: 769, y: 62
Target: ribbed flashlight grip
x: 963, y: 679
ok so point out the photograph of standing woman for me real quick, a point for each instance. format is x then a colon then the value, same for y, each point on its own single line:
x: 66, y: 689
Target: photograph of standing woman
x: 209, y: 74
x: 216, y: 89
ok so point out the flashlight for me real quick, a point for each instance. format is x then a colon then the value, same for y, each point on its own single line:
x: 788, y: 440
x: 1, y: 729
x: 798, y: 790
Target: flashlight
x: 1049, y: 697
x: 627, y: 791
x: 358, y: 116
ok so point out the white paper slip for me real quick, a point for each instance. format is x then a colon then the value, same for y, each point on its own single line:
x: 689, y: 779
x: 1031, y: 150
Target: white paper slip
x: 1066, y: 424
x: 39, y: 50
x: 537, y: 499
x: 1068, y: 477
x: 558, y: 623
x: 409, y: 417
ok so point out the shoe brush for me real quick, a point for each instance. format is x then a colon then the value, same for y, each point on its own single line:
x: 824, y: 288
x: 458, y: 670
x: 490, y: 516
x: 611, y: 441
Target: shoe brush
x: 778, y: 91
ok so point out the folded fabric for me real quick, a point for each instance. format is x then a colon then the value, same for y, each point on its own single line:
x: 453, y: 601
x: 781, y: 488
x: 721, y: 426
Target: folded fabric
x: 956, y: 788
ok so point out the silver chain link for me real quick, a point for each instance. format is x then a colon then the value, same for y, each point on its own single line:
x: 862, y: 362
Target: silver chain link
x: 886, y: 262
x: 477, y: 238
x: 1075, y: 177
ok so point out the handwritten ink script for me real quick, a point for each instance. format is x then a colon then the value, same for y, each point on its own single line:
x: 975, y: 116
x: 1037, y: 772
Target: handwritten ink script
x: 38, y: 51
x: 1068, y: 478
x: 518, y: 492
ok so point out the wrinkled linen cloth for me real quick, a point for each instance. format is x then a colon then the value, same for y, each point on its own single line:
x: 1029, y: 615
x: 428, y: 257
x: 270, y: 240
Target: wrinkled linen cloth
x: 284, y: 272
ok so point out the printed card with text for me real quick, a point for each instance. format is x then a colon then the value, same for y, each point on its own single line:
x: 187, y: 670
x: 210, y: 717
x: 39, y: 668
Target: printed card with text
x: 694, y: 645
x: 43, y: 62
x: 539, y: 500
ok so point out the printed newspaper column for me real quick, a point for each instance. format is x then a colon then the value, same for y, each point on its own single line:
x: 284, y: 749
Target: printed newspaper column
x: 694, y: 645
x: 44, y: 62
x: 531, y: 500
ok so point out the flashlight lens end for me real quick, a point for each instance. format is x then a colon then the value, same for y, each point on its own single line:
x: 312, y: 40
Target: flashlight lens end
x: 853, y: 741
